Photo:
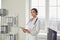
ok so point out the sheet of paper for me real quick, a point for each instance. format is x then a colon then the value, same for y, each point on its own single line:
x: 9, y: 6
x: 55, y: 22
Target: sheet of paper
x: 21, y: 27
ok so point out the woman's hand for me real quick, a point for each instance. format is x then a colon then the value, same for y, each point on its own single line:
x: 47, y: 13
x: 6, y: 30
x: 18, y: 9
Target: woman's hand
x: 26, y: 31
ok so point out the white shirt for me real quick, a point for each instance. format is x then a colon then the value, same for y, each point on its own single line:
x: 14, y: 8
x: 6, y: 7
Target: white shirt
x: 34, y: 28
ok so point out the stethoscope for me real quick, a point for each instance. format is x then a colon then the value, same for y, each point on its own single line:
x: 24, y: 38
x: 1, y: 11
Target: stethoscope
x: 34, y: 22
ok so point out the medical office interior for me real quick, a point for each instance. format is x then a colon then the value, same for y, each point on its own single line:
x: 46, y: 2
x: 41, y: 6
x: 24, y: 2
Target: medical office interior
x: 16, y: 13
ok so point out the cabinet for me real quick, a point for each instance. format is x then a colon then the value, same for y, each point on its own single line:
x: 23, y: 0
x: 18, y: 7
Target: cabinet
x: 6, y: 24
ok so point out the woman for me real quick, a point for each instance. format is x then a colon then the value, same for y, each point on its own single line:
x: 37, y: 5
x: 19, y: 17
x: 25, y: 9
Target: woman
x: 32, y: 27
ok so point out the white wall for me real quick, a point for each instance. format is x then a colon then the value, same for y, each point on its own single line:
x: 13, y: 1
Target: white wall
x: 0, y: 4
x: 16, y: 8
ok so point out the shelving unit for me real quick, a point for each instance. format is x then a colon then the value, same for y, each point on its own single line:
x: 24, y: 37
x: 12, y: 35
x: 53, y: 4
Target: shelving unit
x: 7, y: 26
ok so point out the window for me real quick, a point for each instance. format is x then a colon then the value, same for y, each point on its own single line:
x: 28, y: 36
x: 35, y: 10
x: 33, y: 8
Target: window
x: 54, y: 7
x: 40, y: 5
x: 58, y: 8
x: 54, y: 12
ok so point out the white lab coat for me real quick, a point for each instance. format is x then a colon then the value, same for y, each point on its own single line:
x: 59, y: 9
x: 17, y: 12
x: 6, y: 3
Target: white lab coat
x: 33, y: 28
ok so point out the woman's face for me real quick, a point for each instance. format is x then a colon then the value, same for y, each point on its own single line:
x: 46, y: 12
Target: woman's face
x: 33, y: 13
